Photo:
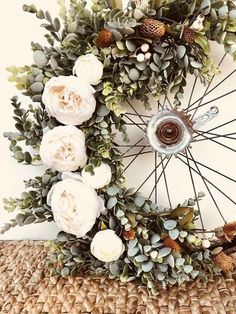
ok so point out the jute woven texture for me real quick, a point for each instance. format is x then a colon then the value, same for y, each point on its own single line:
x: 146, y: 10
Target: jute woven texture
x: 26, y: 287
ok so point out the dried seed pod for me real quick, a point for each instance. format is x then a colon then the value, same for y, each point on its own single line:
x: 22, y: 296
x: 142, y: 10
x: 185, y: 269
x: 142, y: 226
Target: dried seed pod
x: 152, y: 29
x: 188, y: 35
x: 224, y: 261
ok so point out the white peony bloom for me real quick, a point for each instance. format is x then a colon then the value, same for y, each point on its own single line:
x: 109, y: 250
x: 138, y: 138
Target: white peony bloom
x: 63, y: 148
x: 75, y: 206
x: 89, y: 69
x: 101, y: 177
x: 107, y: 246
x: 69, y: 99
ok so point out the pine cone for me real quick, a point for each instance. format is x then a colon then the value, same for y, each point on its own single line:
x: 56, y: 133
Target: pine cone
x: 152, y: 29
x: 173, y: 245
x: 129, y: 235
x: 104, y: 39
x: 230, y: 230
x: 224, y: 261
x: 188, y: 35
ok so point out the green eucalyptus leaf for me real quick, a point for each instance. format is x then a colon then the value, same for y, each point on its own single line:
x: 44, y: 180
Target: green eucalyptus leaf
x: 65, y: 272
x: 155, y: 238
x: 20, y: 218
x: 171, y: 261
x: 170, y: 224
x: 174, y: 233
x: 141, y: 258
x: 132, y: 251
x: 111, y: 202
x: 29, y: 220
x: 139, y: 201
x: 114, y: 269
x: 147, y: 266
x: 130, y: 45
x: 181, y: 51
x: 134, y: 74
x: 179, y: 261
x: 164, y: 252
x: 188, y: 268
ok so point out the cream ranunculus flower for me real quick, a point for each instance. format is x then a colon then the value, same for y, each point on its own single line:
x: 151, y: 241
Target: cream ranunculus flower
x: 89, y: 69
x: 75, y: 206
x: 69, y: 99
x: 63, y: 148
x: 107, y: 246
x: 101, y: 177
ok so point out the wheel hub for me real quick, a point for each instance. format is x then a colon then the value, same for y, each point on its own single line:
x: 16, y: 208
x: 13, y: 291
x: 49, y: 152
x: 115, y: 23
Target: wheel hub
x: 169, y: 132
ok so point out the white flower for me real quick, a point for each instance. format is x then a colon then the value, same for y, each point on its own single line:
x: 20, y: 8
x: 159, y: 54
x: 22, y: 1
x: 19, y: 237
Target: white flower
x: 75, y: 206
x: 69, y: 99
x: 63, y: 148
x: 206, y: 244
x: 89, y: 69
x: 101, y: 177
x: 107, y: 246
x: 198, y: 23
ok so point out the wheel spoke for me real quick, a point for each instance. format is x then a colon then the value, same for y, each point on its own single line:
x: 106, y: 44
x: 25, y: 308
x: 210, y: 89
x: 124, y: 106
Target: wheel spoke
x: 135, y: 123
x: 134, y: 114
x: 166, y: 184
x: 146, y: 179
x: 207, y: 180
x: 194, y: 189
x: 162, y: 172
x: 132, y: 155
x: 215, y: 128
x: 209, y: 168
x: 206, y: 185
x: 135, y: 157
x: 208, y: 86
x: 155, y: 179
x: 210, y: 101
x: 219, y: 143
x: 140, y: 117
x: 227, y: 136
x: 217, y: 85
x: 134, y: 145
x: 191, y: 95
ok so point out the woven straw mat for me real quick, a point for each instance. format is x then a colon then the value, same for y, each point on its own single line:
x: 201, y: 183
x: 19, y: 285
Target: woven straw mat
x: 27, y: 287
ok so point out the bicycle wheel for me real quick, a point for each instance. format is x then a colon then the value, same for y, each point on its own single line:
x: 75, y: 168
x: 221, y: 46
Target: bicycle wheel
x: 187, y: 151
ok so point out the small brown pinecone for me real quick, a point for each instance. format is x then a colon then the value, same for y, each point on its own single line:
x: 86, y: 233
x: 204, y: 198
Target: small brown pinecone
x: 152, y: 29
x: 104, y: 39
x: 188, y: 35
x: 224, y: 261
x: 173, y: 245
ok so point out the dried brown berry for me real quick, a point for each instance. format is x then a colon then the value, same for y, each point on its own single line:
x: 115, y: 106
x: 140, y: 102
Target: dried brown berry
x: 152, y: 29
x: 188, y: 35
x: 104, y: 39
x: 224, y: 261
x: 129, y: 235
x: 173, y: 245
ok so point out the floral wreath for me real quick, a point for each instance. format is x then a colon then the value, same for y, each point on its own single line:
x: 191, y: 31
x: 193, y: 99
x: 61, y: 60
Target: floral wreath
x: 97, y: 59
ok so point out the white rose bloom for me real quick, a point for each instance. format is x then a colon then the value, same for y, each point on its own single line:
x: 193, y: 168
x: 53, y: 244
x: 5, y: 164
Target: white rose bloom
x: 107, y: 246
x: 63, y: 148
x: 89, y: 69
x: 75, y: 206
x: 69, y: 99
x: 101, y: 177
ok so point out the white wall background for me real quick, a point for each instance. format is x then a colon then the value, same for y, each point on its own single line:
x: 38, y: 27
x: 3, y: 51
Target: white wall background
x: 17, y: 29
